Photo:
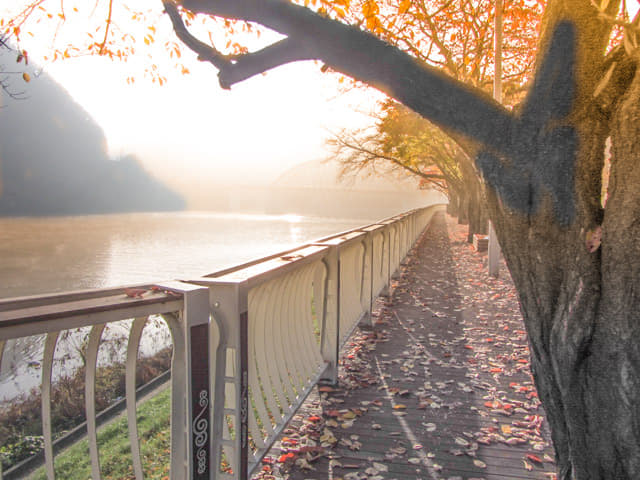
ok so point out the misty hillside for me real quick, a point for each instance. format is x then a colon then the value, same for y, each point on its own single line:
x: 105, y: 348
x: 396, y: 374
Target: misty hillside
x: 326, y: 175
x: 53, y: 159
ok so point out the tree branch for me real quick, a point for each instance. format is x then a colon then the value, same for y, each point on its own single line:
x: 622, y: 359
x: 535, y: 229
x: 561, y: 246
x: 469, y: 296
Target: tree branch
x: 246, y: 66
x: 205, y: 52
x: 234, y: 69
x: 373, y: 155
x: 364, y: 57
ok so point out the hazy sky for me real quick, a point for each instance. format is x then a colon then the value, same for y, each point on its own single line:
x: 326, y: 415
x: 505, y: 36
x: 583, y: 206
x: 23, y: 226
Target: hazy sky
x: 191, y: 128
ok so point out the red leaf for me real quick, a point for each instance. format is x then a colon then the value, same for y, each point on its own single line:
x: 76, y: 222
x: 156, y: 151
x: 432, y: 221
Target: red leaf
x: 533, y: 458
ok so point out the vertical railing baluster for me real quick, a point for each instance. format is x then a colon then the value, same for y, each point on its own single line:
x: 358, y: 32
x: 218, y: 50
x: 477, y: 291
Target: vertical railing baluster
x: 296, y: 364
x: 260, y: 379
x: 47, y: 372
x: 305, y: 322
x: 219, y: 428
x: 90, y: 398
x: 130, y: 387
x: 229, y: 303
x: 259, y: 302
x: 331, y: 314
x: 178, y: 462
x: 280, y: 350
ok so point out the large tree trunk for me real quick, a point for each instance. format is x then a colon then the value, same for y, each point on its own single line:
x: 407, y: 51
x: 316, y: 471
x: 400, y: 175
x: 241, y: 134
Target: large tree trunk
x: 477, y: 214
x: 478, y: 218
x: 463, y: 209
x: 453, y: 205
x: 582, y: 309
x: 612, y: 370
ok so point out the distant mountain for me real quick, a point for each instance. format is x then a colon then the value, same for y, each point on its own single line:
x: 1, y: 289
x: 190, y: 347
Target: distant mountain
x: 53, y: 159
x: 325, y: 174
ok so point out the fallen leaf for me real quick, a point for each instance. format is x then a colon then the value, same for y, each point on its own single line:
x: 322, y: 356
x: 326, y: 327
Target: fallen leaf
x: 430, y: 427
x: 533, y: 458
x: 462, y: 442
x: 479, y: 463
x: 380, y: 467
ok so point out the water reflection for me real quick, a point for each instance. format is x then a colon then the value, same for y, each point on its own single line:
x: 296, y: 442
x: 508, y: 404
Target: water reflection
x: 47, y: 255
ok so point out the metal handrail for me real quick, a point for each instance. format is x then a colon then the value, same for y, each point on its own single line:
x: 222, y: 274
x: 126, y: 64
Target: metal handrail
x: 249, y: 342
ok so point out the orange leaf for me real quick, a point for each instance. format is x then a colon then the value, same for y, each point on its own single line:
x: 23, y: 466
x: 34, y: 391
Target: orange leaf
x: 404, y: 6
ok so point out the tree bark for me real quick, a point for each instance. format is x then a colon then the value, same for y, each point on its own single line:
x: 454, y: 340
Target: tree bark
x: 463, y: 213
x: 478, y: 218
x: 477, y: 214
x: 453, y: 205
x: 581, y: 308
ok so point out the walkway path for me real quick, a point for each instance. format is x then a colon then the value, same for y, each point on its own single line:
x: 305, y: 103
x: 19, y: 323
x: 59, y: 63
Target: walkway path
x: 439, y: 389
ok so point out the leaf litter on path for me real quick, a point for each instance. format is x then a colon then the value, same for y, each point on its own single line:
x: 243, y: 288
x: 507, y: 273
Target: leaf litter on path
x: 454, y: 379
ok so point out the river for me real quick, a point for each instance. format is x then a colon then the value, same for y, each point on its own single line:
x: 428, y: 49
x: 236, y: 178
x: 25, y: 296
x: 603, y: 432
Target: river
x: 47, y: 255
x: 55, y: 254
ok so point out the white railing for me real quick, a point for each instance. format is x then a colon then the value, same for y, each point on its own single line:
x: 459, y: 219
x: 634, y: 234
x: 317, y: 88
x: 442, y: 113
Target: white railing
x: 249, y: 343
x: 58, y: 317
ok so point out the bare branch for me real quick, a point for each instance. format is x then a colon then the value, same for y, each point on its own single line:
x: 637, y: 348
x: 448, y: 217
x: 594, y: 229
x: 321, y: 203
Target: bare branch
x: 106, y: 30
x: 234, y: 69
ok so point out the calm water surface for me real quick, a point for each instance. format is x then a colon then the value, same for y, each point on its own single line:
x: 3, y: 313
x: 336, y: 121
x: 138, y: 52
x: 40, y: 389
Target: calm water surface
x: 46, y: 255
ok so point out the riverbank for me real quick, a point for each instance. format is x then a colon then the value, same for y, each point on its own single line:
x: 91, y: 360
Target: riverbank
x: 20, y: 420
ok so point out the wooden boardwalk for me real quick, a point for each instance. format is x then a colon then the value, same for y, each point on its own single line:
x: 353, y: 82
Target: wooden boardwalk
x: 439, y: 389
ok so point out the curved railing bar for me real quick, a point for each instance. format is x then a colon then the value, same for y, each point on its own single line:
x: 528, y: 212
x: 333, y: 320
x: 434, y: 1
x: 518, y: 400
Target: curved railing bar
x: 178, y: 397
x: 259, y: 297
x: 47, y: 371
x: 90, y: 398
x: 130, y: 387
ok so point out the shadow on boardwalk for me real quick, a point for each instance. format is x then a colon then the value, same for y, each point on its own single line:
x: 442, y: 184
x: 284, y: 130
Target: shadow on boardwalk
x: 439, y: 389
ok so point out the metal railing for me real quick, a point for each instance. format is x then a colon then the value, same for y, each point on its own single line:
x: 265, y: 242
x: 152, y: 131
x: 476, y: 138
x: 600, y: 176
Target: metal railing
x: 249, y: 343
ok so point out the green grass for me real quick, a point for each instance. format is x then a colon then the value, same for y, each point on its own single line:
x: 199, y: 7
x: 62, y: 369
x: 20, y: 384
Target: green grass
x: 115, y: 451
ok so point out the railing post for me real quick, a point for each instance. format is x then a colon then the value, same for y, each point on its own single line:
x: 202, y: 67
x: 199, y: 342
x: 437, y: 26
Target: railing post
x: 386, y: 255
x: 229, y: 308
x: 367, y: 280
x: 330, y: 339
x: 198, y: 391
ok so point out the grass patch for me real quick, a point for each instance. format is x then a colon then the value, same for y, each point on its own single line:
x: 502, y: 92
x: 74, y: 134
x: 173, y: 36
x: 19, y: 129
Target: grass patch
x: 115, y: 452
